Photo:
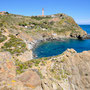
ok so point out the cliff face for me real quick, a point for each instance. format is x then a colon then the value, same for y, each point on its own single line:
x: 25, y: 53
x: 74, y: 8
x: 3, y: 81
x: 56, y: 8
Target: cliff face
x: 68, y: 71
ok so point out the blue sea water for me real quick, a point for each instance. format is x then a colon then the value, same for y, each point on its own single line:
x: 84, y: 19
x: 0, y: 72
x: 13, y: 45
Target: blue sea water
x: 53, y: 48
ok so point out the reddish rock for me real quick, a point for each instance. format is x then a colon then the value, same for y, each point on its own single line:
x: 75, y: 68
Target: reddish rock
x: 7, y: 67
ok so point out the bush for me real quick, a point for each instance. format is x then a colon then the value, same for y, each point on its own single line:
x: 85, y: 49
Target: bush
x: 14, y: 45
x: 52, y: 22
x: 1, y: 24
x: 40, y: 17
x: 23, y: 24
x: 6, y: 13
x: 2, y: 38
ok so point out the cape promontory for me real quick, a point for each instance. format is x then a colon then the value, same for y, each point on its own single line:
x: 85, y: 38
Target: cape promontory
x: 20, y: 71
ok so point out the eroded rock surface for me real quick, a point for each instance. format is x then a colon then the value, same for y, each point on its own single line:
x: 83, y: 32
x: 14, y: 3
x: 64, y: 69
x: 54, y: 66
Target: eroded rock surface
x: 68, y: 71
x: 26, y: 56
x: 19, y: 34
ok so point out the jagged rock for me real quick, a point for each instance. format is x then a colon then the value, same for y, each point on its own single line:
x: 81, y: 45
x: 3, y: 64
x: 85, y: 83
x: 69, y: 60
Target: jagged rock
x: 79, y: 34
x: 68, y: 71
x: 77, y: 64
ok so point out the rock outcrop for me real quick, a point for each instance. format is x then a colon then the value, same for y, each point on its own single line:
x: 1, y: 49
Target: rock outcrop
x: 68, y: 71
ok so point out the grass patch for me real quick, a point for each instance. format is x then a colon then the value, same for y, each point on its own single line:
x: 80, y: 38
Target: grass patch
x: 40, y: 18
x: 58, y: 72
x: 35, y: 62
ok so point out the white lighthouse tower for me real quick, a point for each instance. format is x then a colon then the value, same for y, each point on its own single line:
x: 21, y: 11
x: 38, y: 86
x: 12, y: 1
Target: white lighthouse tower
x: 42, y: 11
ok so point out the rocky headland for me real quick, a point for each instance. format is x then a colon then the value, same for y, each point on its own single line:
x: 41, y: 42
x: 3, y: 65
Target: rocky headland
x: 19, y: 71
x: 68, y: 71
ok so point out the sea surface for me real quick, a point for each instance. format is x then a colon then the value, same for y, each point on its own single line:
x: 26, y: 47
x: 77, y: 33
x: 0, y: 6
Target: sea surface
x: 53, y: 48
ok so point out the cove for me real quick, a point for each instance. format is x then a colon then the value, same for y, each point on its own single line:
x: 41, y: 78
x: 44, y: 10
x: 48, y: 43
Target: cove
x: 52, y: 48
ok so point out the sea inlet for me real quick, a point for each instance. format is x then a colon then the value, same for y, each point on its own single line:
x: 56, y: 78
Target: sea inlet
x: 52, y: 48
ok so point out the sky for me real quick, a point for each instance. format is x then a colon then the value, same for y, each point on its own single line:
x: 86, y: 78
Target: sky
x: 78, y: 9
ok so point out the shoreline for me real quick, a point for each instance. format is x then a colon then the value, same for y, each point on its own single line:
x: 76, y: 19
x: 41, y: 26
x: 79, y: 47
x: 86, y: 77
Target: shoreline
x: 35, y: 45
x: 50, y: 39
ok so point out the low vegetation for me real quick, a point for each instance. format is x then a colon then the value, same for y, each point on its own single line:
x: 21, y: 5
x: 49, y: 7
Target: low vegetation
x: 23, y: 24
x: 58, y: 23
x: 40, y: 18
x: 58, y: 72
x: 14, y: 45
x: 2, y: 38
x: 29, y: 64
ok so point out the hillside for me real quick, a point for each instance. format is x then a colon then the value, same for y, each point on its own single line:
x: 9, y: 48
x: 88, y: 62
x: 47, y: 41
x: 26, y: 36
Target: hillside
x: 35, y: 29
x: 60, y: 24
x: 19, y: 71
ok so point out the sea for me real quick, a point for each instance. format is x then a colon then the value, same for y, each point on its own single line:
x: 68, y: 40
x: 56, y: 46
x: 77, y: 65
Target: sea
x: 53, y: 48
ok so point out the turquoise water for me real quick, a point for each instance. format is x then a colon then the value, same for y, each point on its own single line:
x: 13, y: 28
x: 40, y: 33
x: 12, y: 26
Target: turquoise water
x: 53, y: 48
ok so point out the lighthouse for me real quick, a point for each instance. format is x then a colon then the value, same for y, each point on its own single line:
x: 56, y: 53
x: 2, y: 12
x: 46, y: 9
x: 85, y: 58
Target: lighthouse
x: 42, y: 11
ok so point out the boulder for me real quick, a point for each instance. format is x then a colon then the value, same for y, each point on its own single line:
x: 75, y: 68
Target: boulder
x: 26, y: 56
x: 30, y: 79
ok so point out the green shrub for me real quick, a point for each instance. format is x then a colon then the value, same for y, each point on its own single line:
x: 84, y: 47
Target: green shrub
x: 1, y: 24
x: 23, y: 24
x: 40, y: 18
x: 51, y: 23
x: 14, y: 45
x: 7, y: 13
x: 2, y: 38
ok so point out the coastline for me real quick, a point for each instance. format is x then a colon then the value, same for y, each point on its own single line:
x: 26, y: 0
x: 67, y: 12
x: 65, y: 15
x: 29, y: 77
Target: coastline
x: 35, y: 45
x: 57, y: 36
x: 50, y: 40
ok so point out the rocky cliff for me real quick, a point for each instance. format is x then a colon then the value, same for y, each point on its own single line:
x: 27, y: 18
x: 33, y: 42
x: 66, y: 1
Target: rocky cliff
x: 18, y: 69
x: 68, y: 71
